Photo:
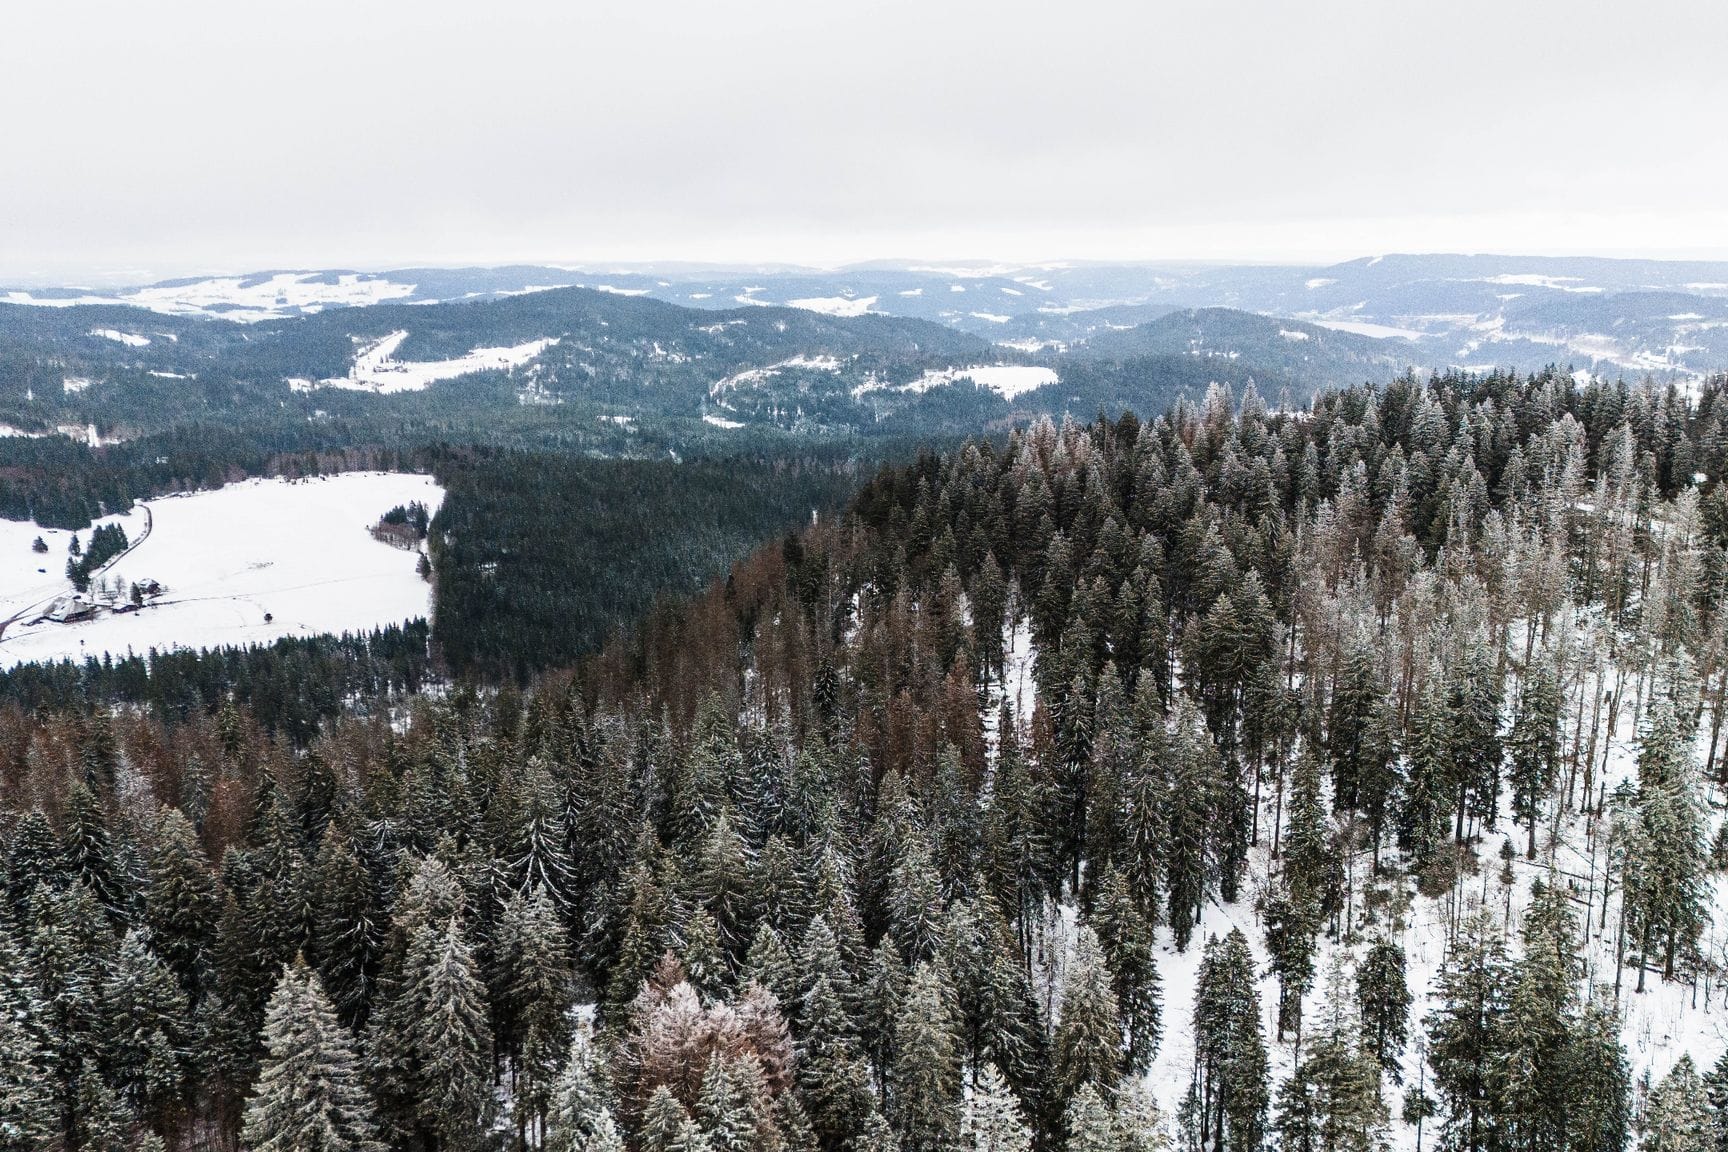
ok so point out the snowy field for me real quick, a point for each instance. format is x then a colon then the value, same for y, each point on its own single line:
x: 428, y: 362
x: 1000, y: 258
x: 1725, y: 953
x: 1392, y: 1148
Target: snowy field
x: 376, y: 369
x: 299, y: 551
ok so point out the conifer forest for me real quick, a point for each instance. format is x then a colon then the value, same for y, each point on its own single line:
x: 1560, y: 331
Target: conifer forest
x: 1338, y: 777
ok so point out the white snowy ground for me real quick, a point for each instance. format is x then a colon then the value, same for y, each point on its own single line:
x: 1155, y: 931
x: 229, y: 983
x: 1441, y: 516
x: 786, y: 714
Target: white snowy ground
x: 1659, y: 1025
x: 376, y: 369
x: 298, y: 550
x: 1008, y: 380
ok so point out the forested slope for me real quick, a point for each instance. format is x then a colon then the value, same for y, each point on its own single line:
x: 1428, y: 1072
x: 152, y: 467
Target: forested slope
x: 1232, y: 780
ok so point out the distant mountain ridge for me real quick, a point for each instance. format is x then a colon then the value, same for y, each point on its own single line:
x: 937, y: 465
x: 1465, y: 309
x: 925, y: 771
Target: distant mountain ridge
x: 1610, y: 316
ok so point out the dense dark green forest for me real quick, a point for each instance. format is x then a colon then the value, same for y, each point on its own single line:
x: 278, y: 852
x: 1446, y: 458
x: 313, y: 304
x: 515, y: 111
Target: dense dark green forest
x: 1229, y: 780
x: 538, y: 558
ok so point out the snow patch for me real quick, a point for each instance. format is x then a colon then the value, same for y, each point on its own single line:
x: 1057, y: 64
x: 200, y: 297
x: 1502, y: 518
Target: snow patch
x: 1007, y: 380
x: 131, y: 340
x: 376, y: 369
x: 835, y: 305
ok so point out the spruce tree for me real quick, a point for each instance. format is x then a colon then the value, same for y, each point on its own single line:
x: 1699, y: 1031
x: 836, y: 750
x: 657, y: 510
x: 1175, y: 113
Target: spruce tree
x: 29, y: 1120
x: 579, y: 1099
x: 992, y: 1121
x: 832, y: 1075
x: 1534, y: 746
x: 1677, y: 1117
x: 180, y: 904
x: 1383, y: 999
x: 925, y: 1073
x: 1129, y: 952
x: 1088, y: 1042
x: 1464, y: 1032
x: 152, y: 1041
x: 1230, y: 1049
x: 432, y: 1044
x: 310, y: 1096
x: 1088, y: 1123
x: 347, y: 941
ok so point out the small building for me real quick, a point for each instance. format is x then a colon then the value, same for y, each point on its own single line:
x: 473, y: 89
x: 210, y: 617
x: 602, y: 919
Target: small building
x: 70, y: 609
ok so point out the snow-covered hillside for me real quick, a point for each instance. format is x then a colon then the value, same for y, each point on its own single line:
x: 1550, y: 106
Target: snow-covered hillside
x: 1667, y: 1020
x: 244, y: 564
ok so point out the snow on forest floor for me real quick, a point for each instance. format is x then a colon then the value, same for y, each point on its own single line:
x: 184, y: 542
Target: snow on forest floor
x: 1659, y: 1025
x: 297, y: 550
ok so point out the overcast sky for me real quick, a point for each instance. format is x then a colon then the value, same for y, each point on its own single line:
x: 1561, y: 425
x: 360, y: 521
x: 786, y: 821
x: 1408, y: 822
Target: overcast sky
x: 152, y: 139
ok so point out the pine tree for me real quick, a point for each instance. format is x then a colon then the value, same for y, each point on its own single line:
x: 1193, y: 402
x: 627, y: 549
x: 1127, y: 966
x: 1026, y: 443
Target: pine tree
x: 347, y: 941
x: 309, y: 1096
